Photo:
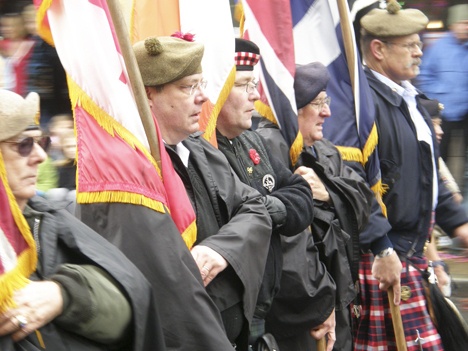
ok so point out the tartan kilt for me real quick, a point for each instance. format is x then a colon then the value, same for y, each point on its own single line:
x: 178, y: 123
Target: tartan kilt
x: 374, y: 328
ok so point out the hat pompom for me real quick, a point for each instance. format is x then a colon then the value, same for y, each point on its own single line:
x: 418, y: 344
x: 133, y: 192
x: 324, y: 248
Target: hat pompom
x: 393, y: 7
x: 153, y: 46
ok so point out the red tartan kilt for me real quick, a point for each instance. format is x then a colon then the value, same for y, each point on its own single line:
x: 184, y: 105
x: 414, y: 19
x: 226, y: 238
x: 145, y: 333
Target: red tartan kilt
x: 374, y: 328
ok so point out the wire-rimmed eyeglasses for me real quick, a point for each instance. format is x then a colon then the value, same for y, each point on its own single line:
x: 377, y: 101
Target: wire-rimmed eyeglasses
x: 190, y: 89
x: 249, y: 86
x: 412, y: 47
x: 319, y: 104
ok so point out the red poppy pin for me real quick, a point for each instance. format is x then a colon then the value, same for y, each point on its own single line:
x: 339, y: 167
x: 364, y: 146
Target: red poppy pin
x: 254, y: 156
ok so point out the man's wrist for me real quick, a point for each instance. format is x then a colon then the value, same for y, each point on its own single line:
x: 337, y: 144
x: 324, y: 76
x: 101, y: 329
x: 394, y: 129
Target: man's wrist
x: 384, y: 253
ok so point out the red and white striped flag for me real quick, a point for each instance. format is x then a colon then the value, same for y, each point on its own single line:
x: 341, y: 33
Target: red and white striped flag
x: 114, y: 162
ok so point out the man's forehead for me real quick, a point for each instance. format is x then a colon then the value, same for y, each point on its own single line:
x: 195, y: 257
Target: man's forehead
x: 194, y: 78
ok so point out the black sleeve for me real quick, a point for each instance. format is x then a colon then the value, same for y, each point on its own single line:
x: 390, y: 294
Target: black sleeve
x: 295, y: 193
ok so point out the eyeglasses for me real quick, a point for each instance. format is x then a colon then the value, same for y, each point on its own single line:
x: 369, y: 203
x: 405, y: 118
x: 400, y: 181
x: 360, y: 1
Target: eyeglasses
x: 249, y: 86
x: 318, y: 105
x: 412, y: 47
x: 190, y: 89
x: 25, y: 146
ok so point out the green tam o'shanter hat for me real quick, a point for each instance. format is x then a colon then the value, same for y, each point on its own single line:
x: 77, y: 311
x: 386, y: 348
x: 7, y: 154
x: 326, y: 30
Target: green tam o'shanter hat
x: 166, y: 59
x: 394, y: 21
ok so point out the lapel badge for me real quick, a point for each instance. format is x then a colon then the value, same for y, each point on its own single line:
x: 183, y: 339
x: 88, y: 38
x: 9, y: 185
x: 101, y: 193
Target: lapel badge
x: 249, y: 170
x: 268, y: 182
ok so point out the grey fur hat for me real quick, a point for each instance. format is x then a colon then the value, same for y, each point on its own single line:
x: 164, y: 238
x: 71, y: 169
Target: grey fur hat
x: 17, y: 113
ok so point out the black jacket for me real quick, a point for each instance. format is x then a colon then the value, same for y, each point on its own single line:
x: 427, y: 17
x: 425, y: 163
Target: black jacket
x: 64, y: 239
x: 406, y: 166
x: 271, y: 178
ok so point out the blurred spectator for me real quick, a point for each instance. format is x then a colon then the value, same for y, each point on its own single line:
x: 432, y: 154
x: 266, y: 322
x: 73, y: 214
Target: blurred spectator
x: 46, y: 176
x: 66, y: 171
x: 15, y: 48
x: 45, y: 74
x: 58, y: 125
x: 444, y: 76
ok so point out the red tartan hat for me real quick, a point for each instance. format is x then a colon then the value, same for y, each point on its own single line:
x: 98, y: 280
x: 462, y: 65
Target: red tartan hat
x: 247, y: 55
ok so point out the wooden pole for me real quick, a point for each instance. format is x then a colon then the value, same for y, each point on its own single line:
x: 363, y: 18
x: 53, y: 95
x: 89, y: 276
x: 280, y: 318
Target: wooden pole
x: 321, y: 344
x: 134, y: 76
x: 397, y: 323
x: 350, y: 50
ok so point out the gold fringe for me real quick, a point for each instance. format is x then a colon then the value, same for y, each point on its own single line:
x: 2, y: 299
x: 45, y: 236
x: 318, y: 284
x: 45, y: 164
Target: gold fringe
x: 190, y: 234
x: 40, y: 339
x: 355, y: 155
x: 120, y: 197
x: 296, y: 148
x: 371, y: 144
x: 350, y: 154
x: 379, y: 190
x: 16, y: 278
x: 241, y: 20
x: 265, y: 111
x: 79, y: 97
x: 42, y: 29
x: 223, y: 95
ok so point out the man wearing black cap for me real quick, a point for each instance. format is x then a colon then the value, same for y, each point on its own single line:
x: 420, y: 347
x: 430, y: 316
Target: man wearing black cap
x: 408, y: 160
x: 233, y: 225
x: 342, y: 203
x: 287, y: 196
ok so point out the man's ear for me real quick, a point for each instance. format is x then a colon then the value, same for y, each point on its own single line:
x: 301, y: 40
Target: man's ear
x: 377, y: 47
x: 148, y: 96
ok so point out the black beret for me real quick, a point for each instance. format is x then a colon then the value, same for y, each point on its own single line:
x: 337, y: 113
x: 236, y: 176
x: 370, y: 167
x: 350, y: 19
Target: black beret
x: 309, y: 81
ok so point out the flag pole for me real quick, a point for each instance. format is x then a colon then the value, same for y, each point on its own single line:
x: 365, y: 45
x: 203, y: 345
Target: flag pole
x: 134, y: 76
x: 349, y: 44
x: 321, y: 344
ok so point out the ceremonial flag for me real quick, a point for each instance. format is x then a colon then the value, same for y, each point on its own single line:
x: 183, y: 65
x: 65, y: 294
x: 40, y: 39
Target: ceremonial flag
x: 113, y: 159
x: 269, y: 24
x: 318, y: 36
x: 18, y: 255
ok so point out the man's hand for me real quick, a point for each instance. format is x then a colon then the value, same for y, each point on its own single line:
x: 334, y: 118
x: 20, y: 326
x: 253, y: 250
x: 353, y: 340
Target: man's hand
x: 387, y: 270
x: 319, y: 191
x: 209, y: 262
x: 326, y: 328
x: 36, y: 305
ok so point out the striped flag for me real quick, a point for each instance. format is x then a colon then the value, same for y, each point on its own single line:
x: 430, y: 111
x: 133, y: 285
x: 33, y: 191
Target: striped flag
x: 18, y: 255
x: 269, y: 24
x: 113, y: 159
